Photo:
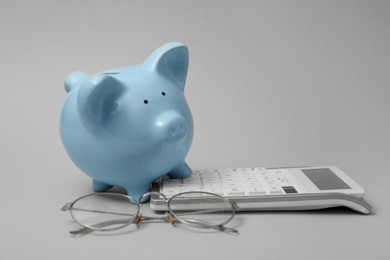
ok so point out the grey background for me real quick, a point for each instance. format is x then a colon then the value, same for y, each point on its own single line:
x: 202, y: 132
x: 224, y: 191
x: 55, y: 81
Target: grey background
x: 271, y: 83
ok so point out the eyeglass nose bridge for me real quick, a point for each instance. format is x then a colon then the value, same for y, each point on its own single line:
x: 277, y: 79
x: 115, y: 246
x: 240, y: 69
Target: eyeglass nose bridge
x: 145, y: 197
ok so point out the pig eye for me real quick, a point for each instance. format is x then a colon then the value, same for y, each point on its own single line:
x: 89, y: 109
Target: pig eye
x: 163, y: 93
x: 146, y: 101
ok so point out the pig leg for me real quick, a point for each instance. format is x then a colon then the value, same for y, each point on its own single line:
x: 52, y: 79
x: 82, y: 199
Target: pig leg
x: 181, y: 171
x: 136, y: 192
x: 100, y: 186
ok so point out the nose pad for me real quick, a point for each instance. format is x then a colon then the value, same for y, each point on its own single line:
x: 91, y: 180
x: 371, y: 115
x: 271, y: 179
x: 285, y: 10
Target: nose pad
x: 171, y: 126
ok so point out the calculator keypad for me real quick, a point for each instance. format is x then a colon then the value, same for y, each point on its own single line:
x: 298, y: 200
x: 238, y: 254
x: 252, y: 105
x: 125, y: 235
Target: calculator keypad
x: 231, y: 182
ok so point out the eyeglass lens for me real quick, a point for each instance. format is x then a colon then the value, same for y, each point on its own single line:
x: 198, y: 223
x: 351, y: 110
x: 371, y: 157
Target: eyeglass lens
x: 201, y: 209
x: 105, y: 211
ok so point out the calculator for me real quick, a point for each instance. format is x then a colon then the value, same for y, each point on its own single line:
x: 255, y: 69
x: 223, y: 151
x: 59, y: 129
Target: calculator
x: 270, y: 189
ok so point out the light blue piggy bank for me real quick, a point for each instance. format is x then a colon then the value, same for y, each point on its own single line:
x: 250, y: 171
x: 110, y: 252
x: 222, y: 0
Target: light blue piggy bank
x: 129, y: 126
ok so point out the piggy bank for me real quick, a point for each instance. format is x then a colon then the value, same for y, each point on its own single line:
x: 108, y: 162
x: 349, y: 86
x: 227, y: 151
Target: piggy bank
x: 129, y: 126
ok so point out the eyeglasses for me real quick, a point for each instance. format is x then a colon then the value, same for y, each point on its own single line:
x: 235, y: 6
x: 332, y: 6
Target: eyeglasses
x: 111, y: 211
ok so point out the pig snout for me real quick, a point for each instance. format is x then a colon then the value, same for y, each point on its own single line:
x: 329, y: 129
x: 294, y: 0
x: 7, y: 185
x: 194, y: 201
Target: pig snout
x: 171, y: 126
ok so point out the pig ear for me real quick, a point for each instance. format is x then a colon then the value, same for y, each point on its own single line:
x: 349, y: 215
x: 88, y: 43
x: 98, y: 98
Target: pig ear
x: 97, y: 98
x: 171, y: 61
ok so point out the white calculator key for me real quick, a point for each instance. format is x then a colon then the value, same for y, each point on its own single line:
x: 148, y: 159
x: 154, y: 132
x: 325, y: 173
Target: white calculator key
x: 269, y: 183
x: 182, y: 186
x: 173, y: 181
x: 216, y: 190
x: 227, y: 174
x: 231, y: 191
x: 191, y: 180
x: 191, y: 185
x: 212, y: 185
x: 249, y: 179
x: 273, y: 189
x: 192, y: 177
x: 266, y: 178
x: 209, y: 175
x: 252, y: 184
x: 210, y: 180
x: 171, y: 185
x: 226, y: 170
x: 255, y: 190
x: 170, y: 191
x: 231, y: 184
x: 261, y: 173
x: 191, y: 195
x: 230, y: 180
x: 247, y: 174
x: 190, y: 188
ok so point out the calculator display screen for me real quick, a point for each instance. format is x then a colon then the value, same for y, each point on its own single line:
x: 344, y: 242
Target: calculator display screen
x: 325, y: 179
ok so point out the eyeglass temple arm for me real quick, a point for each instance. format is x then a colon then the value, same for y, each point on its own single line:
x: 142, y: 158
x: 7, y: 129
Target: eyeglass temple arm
x: 137, y: 221
x: 206, y: 225
x: 68, y: 206
x: 86, y: 230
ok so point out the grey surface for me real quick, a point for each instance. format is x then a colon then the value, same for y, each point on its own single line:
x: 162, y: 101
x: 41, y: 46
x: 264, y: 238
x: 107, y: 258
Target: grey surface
x: 271, y: 83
